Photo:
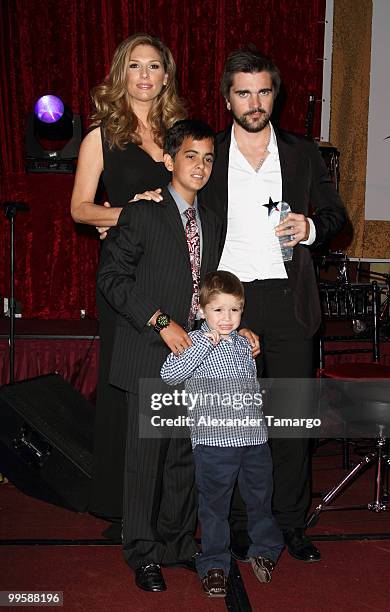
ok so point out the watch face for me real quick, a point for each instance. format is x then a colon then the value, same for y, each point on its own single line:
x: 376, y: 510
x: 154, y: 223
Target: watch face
x: 163, y: 320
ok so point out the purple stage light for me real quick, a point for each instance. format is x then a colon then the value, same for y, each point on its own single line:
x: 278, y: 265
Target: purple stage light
x: 49, y: 109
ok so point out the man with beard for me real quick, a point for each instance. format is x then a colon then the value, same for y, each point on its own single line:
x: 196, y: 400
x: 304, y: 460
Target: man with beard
x: 257, y: 166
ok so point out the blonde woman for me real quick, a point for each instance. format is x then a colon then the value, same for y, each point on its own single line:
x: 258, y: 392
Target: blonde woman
x: 134, y: 107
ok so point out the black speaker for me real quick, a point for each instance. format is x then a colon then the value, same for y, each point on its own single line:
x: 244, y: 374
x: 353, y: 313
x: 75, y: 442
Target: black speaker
x: 46, y: 440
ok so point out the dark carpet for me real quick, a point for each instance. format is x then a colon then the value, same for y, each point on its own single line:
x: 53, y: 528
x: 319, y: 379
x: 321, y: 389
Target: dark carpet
x: 353, y: 575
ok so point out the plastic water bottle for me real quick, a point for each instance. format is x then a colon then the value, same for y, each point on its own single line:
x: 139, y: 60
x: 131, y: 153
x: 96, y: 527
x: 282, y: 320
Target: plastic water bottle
x: 287, y: 251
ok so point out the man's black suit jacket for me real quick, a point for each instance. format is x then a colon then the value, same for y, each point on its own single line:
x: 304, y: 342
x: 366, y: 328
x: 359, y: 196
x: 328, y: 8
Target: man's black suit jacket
x: 307, y: 187
x: 145, y: 266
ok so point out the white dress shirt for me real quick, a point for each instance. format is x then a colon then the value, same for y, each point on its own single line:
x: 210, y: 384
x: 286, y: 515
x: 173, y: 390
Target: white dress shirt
x: 251, y: 248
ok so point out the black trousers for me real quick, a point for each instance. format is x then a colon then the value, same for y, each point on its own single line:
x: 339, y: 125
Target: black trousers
x: 285, y: 353
x: 159, y: 509
x: 106, y: 493
x: 217, y: 469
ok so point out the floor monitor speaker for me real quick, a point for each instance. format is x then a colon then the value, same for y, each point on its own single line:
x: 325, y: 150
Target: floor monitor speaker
x: 46, y: 440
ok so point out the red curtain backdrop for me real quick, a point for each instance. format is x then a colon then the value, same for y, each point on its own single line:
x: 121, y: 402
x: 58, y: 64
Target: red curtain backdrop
x: 65, y: 47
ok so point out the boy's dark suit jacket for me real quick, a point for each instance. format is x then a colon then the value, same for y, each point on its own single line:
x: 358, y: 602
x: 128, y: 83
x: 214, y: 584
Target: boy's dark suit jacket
x: 305, y: 183
x: 145, y: 266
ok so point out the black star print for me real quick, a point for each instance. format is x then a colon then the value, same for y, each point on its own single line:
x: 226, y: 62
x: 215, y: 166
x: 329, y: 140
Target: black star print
x: 271, y: 205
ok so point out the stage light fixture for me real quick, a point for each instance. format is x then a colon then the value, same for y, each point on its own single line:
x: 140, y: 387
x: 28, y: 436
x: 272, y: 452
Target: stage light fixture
x: 49, y: 109
x: 53, y: 137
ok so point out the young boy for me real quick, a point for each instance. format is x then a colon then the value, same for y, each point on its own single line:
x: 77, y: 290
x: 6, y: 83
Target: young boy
x: 228, y: 437
x: 151, y: 267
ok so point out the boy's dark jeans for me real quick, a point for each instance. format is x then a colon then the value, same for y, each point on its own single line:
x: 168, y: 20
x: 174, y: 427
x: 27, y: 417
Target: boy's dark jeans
x: 217, y: 469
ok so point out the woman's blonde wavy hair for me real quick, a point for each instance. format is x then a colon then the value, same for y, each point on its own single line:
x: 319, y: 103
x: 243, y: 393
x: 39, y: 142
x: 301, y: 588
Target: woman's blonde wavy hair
x: 113, y: 105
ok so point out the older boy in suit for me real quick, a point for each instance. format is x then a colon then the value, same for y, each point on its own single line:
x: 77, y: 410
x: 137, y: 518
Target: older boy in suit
x: 151, y: 267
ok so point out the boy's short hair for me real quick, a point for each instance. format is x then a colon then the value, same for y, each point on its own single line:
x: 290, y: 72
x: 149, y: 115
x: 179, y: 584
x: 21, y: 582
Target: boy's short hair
x: 219, y: 282
x: 192, y: 128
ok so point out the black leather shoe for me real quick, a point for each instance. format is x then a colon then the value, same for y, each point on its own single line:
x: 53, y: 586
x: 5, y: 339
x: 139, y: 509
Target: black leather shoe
x: 300, y: 546
x: 149, y: 578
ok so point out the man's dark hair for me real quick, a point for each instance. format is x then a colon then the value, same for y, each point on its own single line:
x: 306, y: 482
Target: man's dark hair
x: 248, y: 60
x: 192, y: 128
x: 219, y: 282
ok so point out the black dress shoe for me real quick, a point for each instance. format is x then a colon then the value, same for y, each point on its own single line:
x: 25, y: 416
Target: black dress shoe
x: 300, y: 546
x: 149, y: 578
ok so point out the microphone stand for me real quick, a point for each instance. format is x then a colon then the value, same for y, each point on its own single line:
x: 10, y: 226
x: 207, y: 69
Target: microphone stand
x: 10, y: 210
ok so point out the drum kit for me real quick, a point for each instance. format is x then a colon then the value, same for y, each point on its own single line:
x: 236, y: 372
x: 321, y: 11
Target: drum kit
x: 343, y: 298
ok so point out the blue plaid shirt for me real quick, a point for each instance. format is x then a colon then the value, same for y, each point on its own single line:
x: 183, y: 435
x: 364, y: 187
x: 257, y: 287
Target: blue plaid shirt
x: 222, y: 378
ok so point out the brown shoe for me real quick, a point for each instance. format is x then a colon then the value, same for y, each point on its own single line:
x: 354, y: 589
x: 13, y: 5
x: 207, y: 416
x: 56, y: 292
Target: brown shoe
x: 214, y: 583
x: 262, y: 568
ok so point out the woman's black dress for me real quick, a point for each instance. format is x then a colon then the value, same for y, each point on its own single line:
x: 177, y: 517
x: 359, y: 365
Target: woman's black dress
x: 126, y: 172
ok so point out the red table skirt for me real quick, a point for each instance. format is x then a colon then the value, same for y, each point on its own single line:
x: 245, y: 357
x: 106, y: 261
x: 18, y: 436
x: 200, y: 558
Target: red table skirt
x: 75, y: 359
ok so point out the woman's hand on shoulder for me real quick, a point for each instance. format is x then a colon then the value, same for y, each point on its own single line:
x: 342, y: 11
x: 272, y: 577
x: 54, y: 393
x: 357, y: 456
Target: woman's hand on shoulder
x: 151, y: 195
x: 154, y: 195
